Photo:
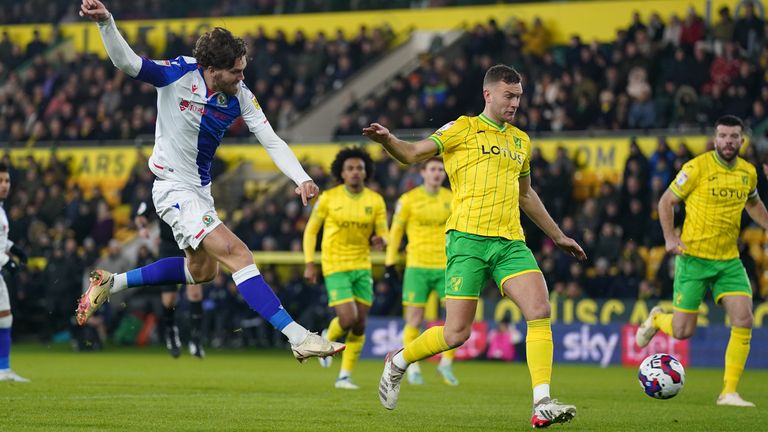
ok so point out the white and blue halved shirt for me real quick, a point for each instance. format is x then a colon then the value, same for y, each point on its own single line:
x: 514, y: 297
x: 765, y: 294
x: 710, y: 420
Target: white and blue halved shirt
x: 192, y: 119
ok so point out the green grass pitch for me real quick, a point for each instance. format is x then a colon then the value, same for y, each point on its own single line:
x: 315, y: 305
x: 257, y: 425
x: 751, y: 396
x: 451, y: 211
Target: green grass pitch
x: 124, y: 389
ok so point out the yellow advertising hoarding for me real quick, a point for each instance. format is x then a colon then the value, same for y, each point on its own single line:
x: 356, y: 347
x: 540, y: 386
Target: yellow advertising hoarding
x: 110, y: 167
x: 589, y: 19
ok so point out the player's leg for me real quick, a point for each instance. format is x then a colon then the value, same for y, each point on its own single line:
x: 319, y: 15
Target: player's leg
x: 195, y: 298
x: 6, y: 320
x: 733, y: 291
x: 355, y: 342
x: 339, y: 288
x: 415, y: 292
x: 445, y: 368
x: 192, y: 217
x: 519, y: 277
x: 230, y: 251
x: 362, y: 293
x: 465, y: 276
x: 692, y: 277
x: 414, y: 316
x: 169, y: 298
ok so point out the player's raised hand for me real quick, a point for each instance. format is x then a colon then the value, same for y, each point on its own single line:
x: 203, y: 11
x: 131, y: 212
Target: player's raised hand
x: 674, y: 246
x: 94, y: 10
x: 569, y: 245
x: 377, y: 132
x: 307, y: 190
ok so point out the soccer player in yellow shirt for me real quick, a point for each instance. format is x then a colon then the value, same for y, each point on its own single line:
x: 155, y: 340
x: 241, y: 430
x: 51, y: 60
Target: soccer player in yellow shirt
x: 488, y: 164
x: 354, y: 220
x: 421, y: 214
x: 716, y: 187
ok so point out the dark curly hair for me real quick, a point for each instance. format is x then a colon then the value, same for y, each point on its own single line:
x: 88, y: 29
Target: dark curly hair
x: 218, y: 48
x: 349, y: 153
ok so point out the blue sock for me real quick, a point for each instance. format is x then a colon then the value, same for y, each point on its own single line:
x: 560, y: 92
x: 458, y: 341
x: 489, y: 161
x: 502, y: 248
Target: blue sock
x: 5, y: 348
x: 167, y: 271
x: 263, y: 300
x: 260, y: 297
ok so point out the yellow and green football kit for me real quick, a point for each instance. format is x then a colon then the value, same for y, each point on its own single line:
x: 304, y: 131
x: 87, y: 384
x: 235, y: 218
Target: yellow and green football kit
x: 484, y: 162
x: 348, y: 220
x: 421, y: 216
x: 714, y: 194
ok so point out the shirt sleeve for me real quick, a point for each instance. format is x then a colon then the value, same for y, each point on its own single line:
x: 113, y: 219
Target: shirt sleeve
x: 526, y: 168
x: 160, y: 73
x: 316, y: 219
x: 397, y: 230
x: 118, y: 50
x: 451, y: 134
x: 753, y: 184
x: 278, y: 150
x: 685, y: 181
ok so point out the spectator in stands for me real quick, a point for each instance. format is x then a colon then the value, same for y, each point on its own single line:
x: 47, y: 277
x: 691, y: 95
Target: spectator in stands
x: 749, y: 32
x: 723, y: 30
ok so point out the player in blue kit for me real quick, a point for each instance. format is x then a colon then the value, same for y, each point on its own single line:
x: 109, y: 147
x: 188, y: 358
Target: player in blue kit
x: 198, y: 98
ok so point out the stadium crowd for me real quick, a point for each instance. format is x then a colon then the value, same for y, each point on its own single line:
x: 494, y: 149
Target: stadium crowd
x: 45, y: 99
x: 656, y: 74
x: 618, y: 228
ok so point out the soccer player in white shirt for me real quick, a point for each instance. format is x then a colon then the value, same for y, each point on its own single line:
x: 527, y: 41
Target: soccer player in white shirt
x: 197, y: 99
x: 6, y: 247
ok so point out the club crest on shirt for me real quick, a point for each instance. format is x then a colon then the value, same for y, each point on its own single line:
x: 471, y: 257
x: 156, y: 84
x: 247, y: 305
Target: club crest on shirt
x: 369, y: 210
x: 221, y: 99
x: 744, y: 180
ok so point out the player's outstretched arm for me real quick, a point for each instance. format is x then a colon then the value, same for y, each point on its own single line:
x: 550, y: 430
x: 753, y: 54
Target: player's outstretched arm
x: 119, y: 51
x: 531, y: 204
x: 405, y: 152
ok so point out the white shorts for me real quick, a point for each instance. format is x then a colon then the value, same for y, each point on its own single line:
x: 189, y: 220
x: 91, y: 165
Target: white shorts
x: 187, y: 209
x: 5, y: 300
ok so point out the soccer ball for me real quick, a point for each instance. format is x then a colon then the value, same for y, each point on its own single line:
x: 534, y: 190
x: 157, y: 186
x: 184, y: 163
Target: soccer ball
x: 661, y: 376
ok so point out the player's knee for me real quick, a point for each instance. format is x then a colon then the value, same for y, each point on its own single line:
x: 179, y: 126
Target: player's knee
x: 539, y: 311
x: 205, y: 272
x: 455, y: 338
x: 742, y: 322
x: 682, y: 332
x: 347, y: 321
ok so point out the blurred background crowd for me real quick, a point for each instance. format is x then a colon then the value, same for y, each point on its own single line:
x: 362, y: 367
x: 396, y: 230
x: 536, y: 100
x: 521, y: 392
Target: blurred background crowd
x: 673, y: 73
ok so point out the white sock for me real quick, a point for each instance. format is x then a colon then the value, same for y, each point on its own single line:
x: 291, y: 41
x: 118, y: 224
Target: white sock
x: 344, y: 374
x: 295, y: 332
x: 540, y: 392
x: 399, y: 361
x: 120, y: 283
x: 445, y: 361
